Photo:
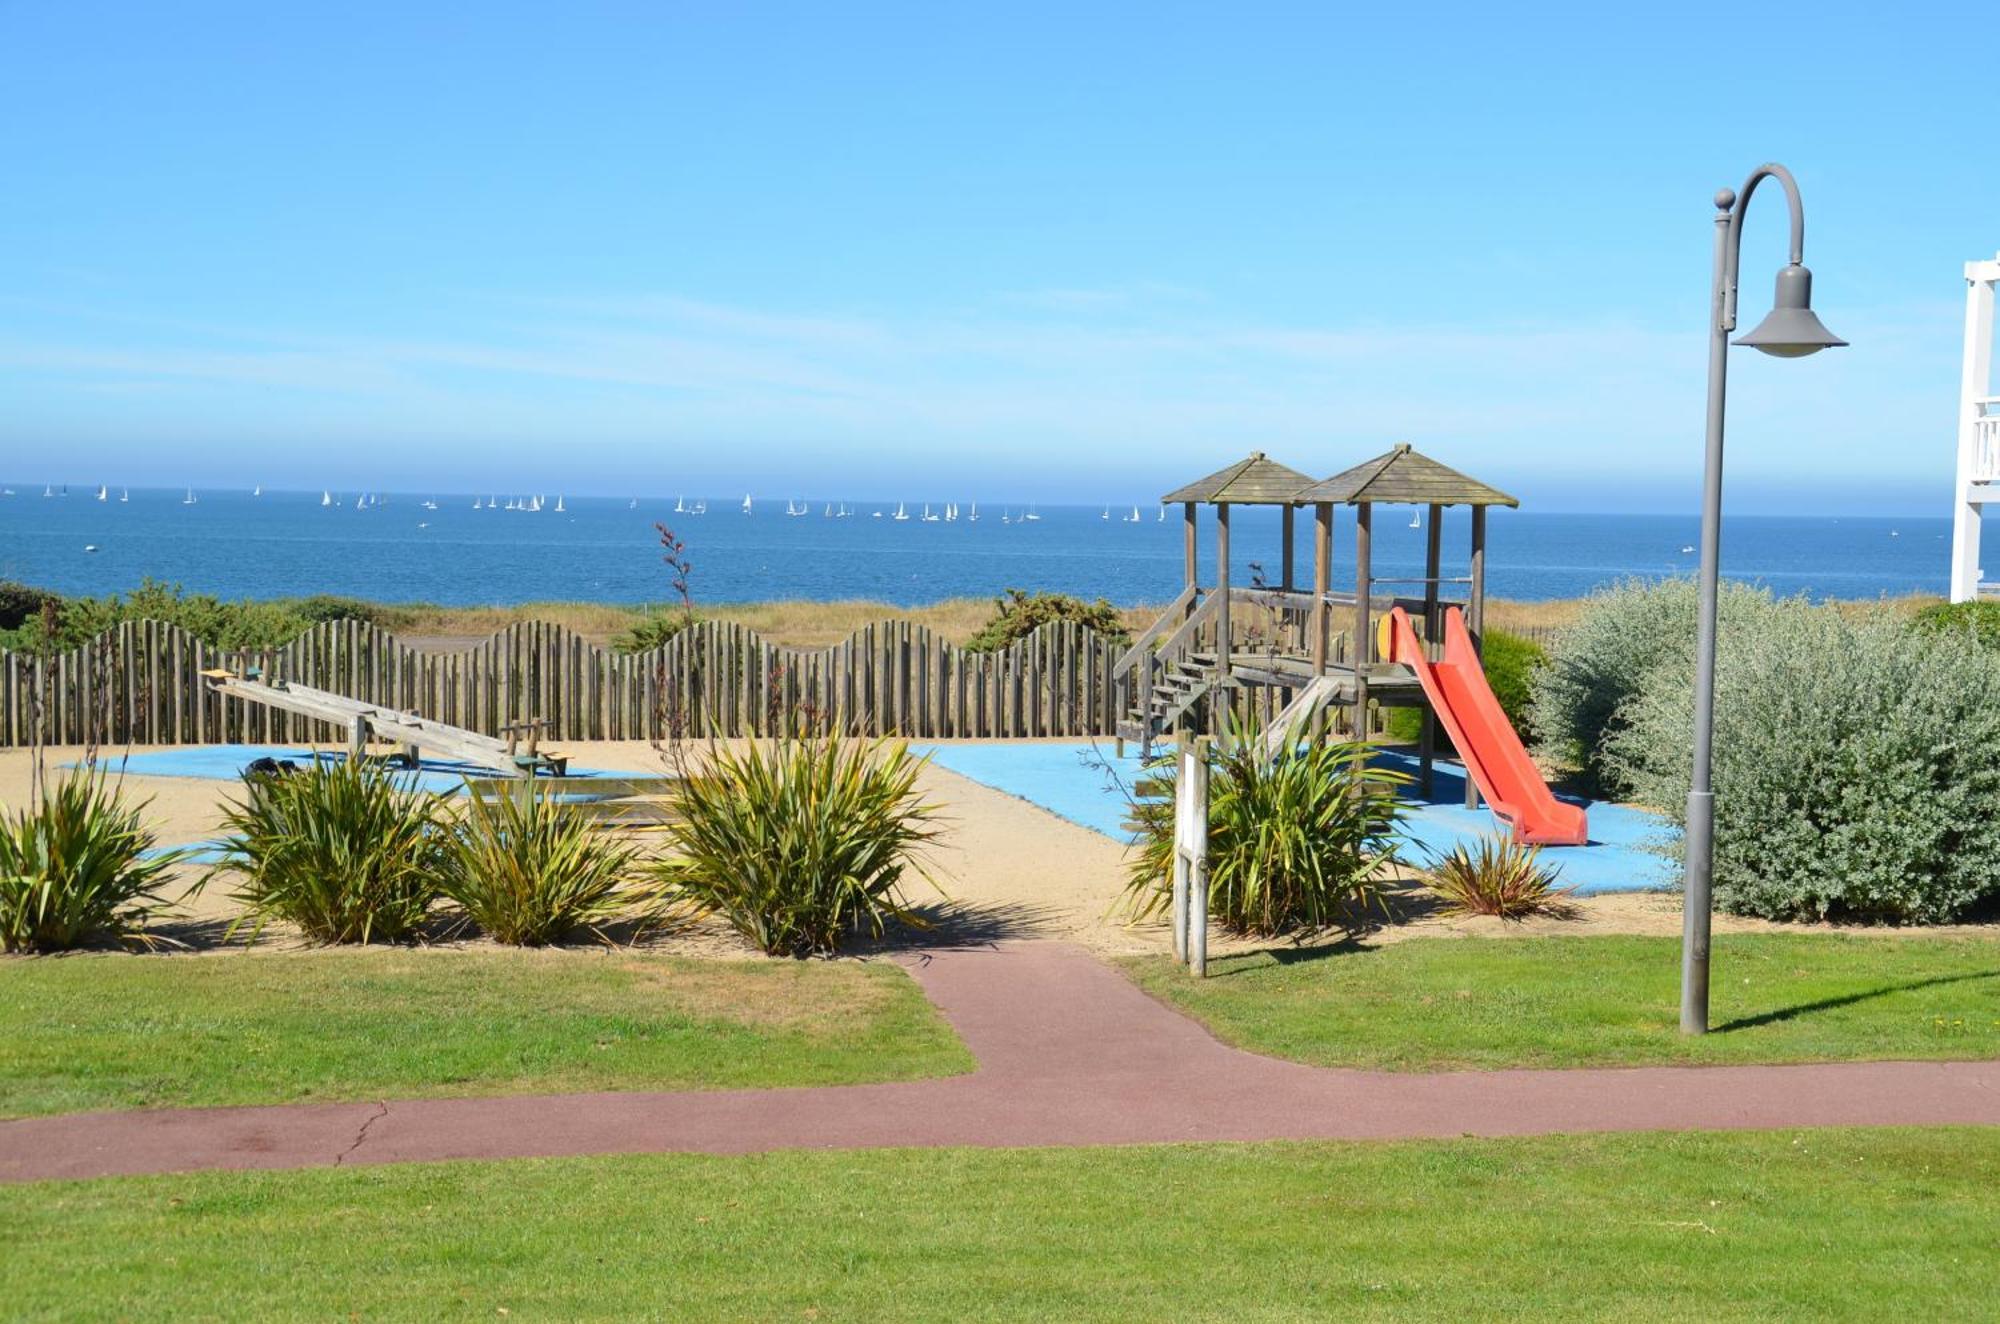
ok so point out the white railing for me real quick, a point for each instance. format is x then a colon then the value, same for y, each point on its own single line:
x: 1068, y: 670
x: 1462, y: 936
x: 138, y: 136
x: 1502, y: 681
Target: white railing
x: 1985, y: 441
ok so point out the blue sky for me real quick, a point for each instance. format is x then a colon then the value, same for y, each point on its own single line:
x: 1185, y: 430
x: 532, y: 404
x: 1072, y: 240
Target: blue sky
x: 1032, y: 252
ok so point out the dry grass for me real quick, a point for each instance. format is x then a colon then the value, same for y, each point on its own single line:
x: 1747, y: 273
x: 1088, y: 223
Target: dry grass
x: 798, y: 624
x: 802, y: 624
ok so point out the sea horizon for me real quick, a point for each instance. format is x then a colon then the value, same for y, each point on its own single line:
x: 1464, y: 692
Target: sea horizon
x: 436, y: 548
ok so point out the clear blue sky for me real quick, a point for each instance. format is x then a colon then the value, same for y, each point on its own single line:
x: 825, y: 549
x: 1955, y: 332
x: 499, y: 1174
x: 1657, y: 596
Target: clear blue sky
x: 1022, y: 252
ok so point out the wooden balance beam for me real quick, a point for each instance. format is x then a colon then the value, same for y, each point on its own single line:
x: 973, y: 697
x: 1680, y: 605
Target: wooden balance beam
x: 413, y: 733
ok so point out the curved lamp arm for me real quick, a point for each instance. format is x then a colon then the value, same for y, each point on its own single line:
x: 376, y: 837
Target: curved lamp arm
x: 1733, y: 205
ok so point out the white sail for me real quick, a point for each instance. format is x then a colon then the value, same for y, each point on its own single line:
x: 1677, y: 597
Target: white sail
x: 559, y: 505
x: 103, y: 492
x: 124, y: 493
x: 1416, y: 519
x: 256, y: 491
x: 326, y: 498
x: 746, y: 503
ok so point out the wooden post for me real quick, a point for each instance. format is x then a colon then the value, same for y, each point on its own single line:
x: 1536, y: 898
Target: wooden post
x: 1476, y: 614
x: 1433, y: 548
x: 1222, y: 604
x: 1322, y: 577
x: 1363, y: 651
x: 1189, y: 560
x: 1197, y: 940
x: 1287, y: 520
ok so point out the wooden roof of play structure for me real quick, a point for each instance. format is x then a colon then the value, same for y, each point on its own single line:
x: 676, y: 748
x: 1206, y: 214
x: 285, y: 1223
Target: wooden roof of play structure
x: 1403, y: 477
x: 1256, y: 481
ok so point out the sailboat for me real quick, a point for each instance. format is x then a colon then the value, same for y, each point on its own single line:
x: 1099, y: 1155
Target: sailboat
x: 1133, y: 518
x: 431, y: 504
x: 1416, y: 519
x: 928, y: 517
x: 1163, y: 515
x: 360, y: 502
x: 326, y: 498
x: 256, y: 491
x: 48, y: 491
x: 973, y: 518
x: 1033, y: 514
x: 559, y: 505
x: 188, y: 500
x: 103, y: 492
x: 900, y: 514
x: 124, y: 493
x: 699, y: 508
x: 476, y: 505
x: 746, y: 503
x: 633, y: 504
x: 1106, y: 514
x: 951, y: 512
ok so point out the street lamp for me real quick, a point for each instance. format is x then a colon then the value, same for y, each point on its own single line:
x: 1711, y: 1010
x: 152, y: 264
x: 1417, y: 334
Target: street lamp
x: 1791, y: 331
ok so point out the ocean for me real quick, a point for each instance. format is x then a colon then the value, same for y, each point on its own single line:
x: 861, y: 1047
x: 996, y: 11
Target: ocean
x: 283, y: 544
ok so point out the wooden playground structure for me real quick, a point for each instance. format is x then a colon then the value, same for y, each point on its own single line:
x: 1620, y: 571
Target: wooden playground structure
x: 1216, y: 639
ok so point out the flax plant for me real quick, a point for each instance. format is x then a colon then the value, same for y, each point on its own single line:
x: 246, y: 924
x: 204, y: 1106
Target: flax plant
x: 341, y: 848
x: 801, y: 843
x: 528, y: 870
x: 1298, y: 839
x: 76, y: 867
x: 1498, y: 877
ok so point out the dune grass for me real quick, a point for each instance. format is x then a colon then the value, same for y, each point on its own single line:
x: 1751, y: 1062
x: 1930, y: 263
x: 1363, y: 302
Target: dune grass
x: 1438, y: 1003
x: 1815, y: 1225
x: 115, y: 1031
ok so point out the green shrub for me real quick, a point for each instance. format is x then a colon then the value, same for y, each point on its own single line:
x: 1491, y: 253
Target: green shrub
x: 1978, y: 622
x: 1595, y: 669
x: 799, y: 844
x: 322, y: 607
x: 1856, y: 768
x: 1018, y: 614
x: 342, y: 848
x: 1296, y: 842
x: 531, y: 871
x: 21, y: 603
x: 1499, y: 877
x: 241, y: 624
x: 1511, y: 663
x: 76, y: 868
x: 650, y: 632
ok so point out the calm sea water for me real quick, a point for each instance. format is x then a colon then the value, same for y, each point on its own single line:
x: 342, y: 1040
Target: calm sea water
x: 287, y: 543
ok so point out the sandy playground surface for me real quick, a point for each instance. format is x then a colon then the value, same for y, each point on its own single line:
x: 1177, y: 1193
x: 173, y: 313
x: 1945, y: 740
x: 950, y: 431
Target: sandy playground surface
x: 1007, y: 869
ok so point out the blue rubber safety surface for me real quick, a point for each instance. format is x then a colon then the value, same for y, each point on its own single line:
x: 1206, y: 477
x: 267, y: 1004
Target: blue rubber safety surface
x: 1088, y: 784
x: 227, y: 762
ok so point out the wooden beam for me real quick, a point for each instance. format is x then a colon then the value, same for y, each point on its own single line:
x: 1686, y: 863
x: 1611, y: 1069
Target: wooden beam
x: 1285, y: 571
x: 1476, y: 613
x: 1433, y: 636
x: 1364, y: 642
x: 1190, y: 563
x: 1322, y: 573
x: 1222, y: 593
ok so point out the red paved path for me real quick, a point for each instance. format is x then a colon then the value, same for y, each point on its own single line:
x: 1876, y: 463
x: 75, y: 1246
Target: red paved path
x: 1070, y: 1053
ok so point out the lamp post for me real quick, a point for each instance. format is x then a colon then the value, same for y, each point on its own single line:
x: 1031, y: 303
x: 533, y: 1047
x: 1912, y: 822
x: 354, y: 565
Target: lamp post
x: 1790, y: 331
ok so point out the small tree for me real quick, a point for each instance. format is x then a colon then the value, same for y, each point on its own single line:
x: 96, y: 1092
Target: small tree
x: 1018, y: 614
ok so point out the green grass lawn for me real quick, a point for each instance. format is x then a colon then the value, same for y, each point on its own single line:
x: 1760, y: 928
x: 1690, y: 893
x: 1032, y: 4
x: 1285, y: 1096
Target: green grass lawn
x: 122, y: 1031
x: 1785, y: 1226
x: 1433, y: 1003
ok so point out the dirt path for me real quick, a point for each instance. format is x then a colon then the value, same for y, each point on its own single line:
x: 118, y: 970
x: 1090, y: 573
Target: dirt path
x: 1069, y: 1053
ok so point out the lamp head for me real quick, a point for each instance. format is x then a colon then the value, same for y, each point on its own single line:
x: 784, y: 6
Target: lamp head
x: 1792, y: 330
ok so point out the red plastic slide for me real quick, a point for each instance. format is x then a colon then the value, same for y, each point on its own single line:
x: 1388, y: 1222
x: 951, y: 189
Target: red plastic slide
x: 1485, y: 739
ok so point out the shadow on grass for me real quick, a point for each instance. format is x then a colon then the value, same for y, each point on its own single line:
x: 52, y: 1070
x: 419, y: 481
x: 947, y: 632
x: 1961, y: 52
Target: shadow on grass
x: 950, y: 924
x: 1846, y: 1000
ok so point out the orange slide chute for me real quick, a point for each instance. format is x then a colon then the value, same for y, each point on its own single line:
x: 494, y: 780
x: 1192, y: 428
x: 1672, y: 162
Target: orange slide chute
x: 1493, y: 755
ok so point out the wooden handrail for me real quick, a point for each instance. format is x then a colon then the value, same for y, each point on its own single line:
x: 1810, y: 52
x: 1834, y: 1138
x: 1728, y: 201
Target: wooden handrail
x: 1140, y: 646
x: 1177, y: 642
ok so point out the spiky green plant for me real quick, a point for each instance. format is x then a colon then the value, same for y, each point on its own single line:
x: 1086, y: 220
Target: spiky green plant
x: 77, y: 868
x: 1297, y: 840
x: 529, y: 870
x: 342, y: 848
x: 801, y: 843
x: 1498, y: 877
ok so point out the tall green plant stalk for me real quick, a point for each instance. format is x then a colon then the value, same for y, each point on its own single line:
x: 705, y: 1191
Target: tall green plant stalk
x: 341, y: 848
x: 78, y: 866
x: 1298, y: 840
x: 802, y: 843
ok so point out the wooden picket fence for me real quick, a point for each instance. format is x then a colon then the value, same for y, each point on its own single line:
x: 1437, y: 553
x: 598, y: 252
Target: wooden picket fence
x: 140, y: 683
